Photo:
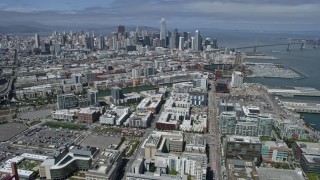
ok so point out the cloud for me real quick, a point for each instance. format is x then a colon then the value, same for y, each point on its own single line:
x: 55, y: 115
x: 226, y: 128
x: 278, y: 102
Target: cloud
x: 185, y: 13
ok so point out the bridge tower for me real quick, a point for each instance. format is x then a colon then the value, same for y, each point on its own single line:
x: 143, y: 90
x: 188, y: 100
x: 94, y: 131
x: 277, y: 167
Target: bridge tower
x: 289, y: 47
x: 303, y: 45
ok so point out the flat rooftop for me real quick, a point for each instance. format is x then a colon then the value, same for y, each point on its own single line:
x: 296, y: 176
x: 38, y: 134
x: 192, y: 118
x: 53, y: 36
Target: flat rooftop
x: 243, y: 139
x: 281, y: 174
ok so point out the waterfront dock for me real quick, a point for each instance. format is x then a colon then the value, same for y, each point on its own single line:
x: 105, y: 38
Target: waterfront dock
x: 262, y: 57
x: 295, y: 91
x: 301, y: 106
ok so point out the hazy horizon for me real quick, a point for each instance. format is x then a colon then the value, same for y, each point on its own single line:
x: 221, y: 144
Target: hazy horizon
x: 263, y: 15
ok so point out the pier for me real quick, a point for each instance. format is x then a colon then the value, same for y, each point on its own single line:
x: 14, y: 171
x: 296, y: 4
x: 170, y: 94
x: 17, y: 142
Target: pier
x: 301, y: 106
x: 295, y: 91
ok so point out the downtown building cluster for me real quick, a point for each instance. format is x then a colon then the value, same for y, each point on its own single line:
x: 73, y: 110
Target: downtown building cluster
x: 89, y: 79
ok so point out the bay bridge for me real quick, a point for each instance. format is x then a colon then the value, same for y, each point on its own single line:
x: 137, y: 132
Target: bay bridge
x: 301, y: 45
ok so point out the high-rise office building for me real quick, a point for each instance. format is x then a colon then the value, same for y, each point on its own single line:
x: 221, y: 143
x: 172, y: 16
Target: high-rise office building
x: 45, y: 48
x: 214, y: 43
x: 181, y: 43
x: 101, y: 42
x: 207, y: 42
x: 192, y: 43
x: 189, y: 36
x: 172, y: 42
x: 175, y: 36
x: 57, y: 49
x: 136, y: 37
x: 116, y: 95
x: 37, y: 40
x: 92, y: 96
x: 163, y: 32
x: 185, y: 35
x: 197, y: 41
x: 146, y: 40
x: 121, y: 29
x: 114, y: 43
x: 64, y: 39
x: 89, y: 42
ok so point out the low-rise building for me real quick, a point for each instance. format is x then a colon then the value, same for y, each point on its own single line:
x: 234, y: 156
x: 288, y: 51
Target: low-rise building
x: 194, y: 123
x: 152, y: 104
x: 227, y: 122
x: 288, y: 129
x: 194, y: 165
x: 89, y: 115
x: 308, y: 155
x: 274, y: 173
x: 140, y: 119
x: 68, y: 161
x: 106, y: 166
x: 117, y: 116
x: 109, y: 117
x: 65, y: 114
x: 274, y: 151
x: 241, y: 169
x: 260, y: 125
x: 23, y: 173
x: 163, y: 142
x: 243, y: 147
x: 195, y: 143
x: 166, y: 122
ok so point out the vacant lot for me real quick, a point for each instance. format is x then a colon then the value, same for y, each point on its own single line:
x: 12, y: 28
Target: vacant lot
x: 35, y: 114
x: 7, y: 131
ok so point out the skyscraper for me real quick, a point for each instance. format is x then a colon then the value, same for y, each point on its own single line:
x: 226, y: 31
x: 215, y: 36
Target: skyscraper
x: 197, y: 41
x: 176, y: 38
x: 181, y: 43
x: 116, y: 95
x: 57, y: 49
x: 101, y: 42
x: 185, y: 35
x: 121, y: 29
x: 89, y: 42
x: 37, y: 40
x: 92, y: 97
x: 192, y: 43
x: 163, y: 32
x: 214, y: 43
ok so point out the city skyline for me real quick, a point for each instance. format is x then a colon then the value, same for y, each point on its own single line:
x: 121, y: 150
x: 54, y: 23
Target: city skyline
x: 246, y: 15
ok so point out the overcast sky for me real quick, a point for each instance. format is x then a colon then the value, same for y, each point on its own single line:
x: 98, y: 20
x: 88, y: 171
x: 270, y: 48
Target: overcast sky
x: 220, y: 14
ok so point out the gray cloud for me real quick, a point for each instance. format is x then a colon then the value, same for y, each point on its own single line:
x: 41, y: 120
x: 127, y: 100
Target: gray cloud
x: 300, y: 14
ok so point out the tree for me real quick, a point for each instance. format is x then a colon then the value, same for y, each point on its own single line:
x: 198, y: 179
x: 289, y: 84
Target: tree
x: 123, y: 139
x: 152, y: 168
x: 173, y: 172
x: 189, y: 177
x: 313, y: 176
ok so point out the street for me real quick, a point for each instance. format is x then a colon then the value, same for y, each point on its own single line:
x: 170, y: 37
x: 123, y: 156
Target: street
x: 213, y: 136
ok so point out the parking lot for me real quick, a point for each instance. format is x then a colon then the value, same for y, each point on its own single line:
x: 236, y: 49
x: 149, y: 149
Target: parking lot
x: 253, y: 95
x: 34, y: 114
x: 48, y: 138
x: 8, y: 151
x: 100, y: 141
x: 7, y: 131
